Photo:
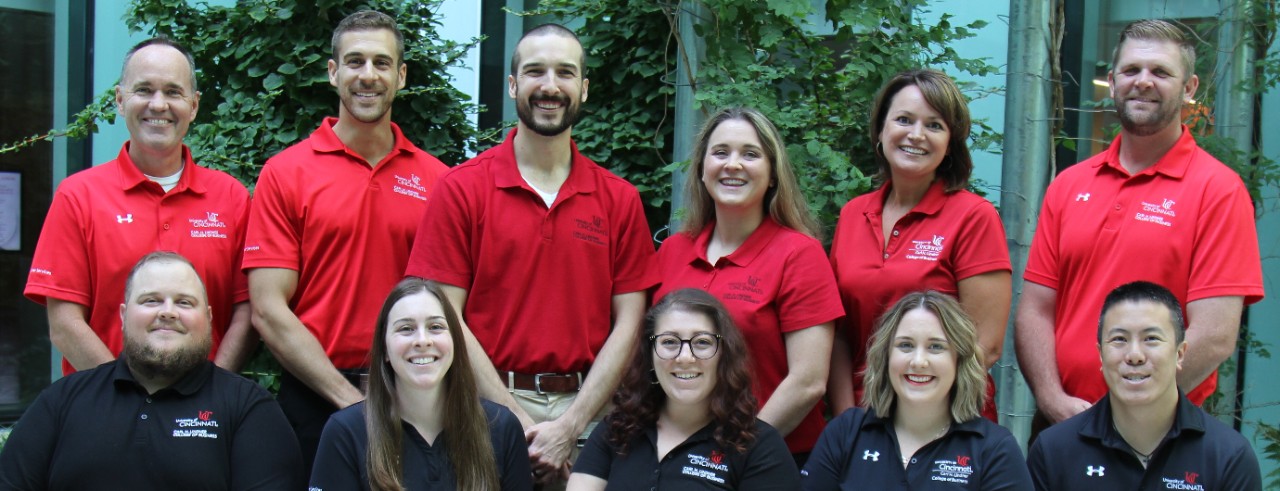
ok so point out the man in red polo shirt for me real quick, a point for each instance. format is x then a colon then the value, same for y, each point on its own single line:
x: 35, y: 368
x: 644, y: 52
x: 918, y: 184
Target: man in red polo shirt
x: 152, y: 197
x: 333, y: 218
x: 546, y: 254
x: 1153, y: 207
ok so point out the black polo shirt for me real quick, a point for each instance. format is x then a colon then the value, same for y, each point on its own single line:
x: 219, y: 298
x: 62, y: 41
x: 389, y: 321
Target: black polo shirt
x: 342, y: 461
x: 859, y: 450
x: 1198, y: 454
x: 99, y: 429
x: 696, y: 463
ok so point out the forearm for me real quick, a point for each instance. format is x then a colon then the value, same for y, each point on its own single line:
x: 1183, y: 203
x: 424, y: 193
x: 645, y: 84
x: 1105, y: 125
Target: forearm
x: 986, y: 298
x: 808, y: 363
x: 1034, y: 340
x: 607, y: 370
x: 791, y: 402
x: 301, y: 354
x: 491, y: 386
x: 1213, y: 326
x: 71, y: 334
x: 240, y: 340
x: 840, y: 378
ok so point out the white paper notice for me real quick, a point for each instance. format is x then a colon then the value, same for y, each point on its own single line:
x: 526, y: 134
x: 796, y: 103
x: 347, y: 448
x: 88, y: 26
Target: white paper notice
x: 10, y: 211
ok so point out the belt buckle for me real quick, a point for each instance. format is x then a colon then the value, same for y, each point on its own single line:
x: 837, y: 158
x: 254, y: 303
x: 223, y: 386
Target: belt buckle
x: 537, y: 381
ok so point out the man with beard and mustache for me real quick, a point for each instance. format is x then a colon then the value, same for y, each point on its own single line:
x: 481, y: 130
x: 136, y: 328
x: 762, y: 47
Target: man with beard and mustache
x: 1155, y: 207
x: 332, y: 222
x: 161, y: 416
x: 546, y: 254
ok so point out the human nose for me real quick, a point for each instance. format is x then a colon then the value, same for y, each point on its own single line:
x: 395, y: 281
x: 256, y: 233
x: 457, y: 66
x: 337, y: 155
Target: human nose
x: 1135, y: 355
x: 916, y: 131
x: 169, y: 310
x: 918, y: 359
x: 1143, y: 80
x: 683, y: 354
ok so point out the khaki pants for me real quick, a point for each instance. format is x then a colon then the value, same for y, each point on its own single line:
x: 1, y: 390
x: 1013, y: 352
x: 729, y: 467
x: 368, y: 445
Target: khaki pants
x: 548, y: 406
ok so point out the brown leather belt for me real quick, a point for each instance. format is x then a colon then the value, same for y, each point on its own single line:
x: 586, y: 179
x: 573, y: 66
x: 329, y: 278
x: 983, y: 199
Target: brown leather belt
x: 542, y: 383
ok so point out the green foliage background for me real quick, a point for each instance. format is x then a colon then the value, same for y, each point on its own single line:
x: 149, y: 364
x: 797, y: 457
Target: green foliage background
x: 264, y: 80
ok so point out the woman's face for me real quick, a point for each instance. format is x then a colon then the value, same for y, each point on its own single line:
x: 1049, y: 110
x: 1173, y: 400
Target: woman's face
x: 913, y: 136
x: 419, y: 348
x: 922, y: 365
x: 685, y: 356
x: 735, y: 170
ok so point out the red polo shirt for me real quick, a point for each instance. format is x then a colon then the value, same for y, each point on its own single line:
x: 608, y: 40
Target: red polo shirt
x: 540, y: 280
x: 945, y: 238
x: 104, y: 219
x: 776, y: 282
x: 1185, y: 223
x: 345, y: 227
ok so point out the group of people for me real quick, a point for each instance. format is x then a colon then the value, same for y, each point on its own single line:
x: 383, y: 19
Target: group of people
x: 530, y: 335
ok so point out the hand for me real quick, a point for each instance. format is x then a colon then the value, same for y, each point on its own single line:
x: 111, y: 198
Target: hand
x: 550, y: 445
x: 1062, y: 407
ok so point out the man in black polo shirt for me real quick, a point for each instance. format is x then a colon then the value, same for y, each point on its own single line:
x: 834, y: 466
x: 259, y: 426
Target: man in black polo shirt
x: 159, y: 417
x: 1145, y: 433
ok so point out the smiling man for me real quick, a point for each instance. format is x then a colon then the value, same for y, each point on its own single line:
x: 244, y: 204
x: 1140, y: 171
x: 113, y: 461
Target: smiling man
x: 546, y: 254
x: 1154, y: 206
x: 332, y: 222
x: 161, y: 416
x: 1144, y: 434
x: 152, y: 197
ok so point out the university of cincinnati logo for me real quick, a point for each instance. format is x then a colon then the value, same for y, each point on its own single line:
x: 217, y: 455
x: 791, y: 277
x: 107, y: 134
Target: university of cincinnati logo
x: 1159, y: 214
x: 926, y: 250
x: 705, y: 467
x: 208, y: 227
x: 410, y: 186
x: 1187, y: 483
x: 952, y: 471
x: 201, y: 426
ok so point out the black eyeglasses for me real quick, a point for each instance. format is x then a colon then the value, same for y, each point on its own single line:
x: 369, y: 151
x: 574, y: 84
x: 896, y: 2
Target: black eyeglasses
x: 702, y: 346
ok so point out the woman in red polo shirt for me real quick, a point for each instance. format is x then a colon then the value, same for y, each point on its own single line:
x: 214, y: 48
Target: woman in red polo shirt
x: 749, y: 239
x: 920, y: 230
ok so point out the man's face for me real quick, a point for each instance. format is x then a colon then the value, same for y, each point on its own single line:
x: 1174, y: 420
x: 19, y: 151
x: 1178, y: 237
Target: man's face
x: 1141, y: 355
x: 156, y: 99
x: 367, y: 75
x: 166, y: 320
x: 548, y: 86
x: 1149, y: 86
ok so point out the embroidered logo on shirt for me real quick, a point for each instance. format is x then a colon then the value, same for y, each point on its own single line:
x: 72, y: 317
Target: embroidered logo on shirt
x: 1158, y: 214
x: 1186, y: 483
x: 954, y: 471
x: 1092, y: 471
x: 201, y: 426
x: 926, y: 250
x: 411, y: 186
x: 592, y: 230
x: 128, y: 218
x: 701, y: 466
x: 745, y: 291
x: 1082, y: 197
x: 869, y: 455
x: 208, y: 226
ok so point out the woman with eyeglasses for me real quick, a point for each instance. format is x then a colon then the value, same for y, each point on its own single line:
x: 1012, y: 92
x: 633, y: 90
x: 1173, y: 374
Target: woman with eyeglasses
x: 423, y: 426
x: 683, y: 416
x: 749, y: 239
x: 922, y: 427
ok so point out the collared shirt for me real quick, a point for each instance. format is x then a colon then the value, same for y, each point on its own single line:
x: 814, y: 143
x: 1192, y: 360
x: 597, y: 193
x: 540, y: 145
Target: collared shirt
x: 696, y: 463
x: 1199, y: 453
x: 945, y: 238
x: 859, y: 450
x: 104, y: 219
x: 342, y: 462
x: 1185, y: 223
x: 778, y: 281
x: 99, y: 429
x: 540, y: 280
x: 345, y: 227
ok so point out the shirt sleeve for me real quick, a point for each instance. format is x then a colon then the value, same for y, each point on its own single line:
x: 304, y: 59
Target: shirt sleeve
x: 28, y: 454
x: 60, y: 267
x: 1242, y: 471
x: 1037, y: 467
x: 442, y: 246
x: 633, y: 259
x: 1042, y: 260
x: 770, y: 466
x: 510, y: 450
x: 1006, y: 469
x: 338, y: 463
x: 265, y: 453
x: 808, y: 295
x: 981, y: 247
x: 240, y: 281
x: 1225, y: 258
x: 826, y: 463
x: 596, y: 456
x: 273, y: 239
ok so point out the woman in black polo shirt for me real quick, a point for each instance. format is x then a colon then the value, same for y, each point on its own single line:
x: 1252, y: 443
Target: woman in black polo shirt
x: 423, y: 426
x: 684, y: 416
x: 922, y: 428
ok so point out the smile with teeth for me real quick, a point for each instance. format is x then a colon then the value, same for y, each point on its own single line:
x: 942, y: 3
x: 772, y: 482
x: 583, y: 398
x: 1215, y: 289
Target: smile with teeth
x: 732, y: 181
x: 686, y: 376
x: 920, y: 379
x: 422, y: 360
x: 157, y: 122
x: 1133, y: 377
x: 913, y: 150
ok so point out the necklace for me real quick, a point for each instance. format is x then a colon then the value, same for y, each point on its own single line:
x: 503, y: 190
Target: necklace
x: 1143, y: 457
x: 907, y: 459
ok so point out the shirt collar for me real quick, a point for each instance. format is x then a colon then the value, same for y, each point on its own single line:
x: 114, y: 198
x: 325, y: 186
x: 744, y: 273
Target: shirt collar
x: 324, y: 140
x: 131, y: 177
x: 1173, y: 164
x: 929, y: 204
x: 1099, y: 426
x: 187, y: 385
x: 886, y: 424
x: 507, y: 175
x: 756, y: 243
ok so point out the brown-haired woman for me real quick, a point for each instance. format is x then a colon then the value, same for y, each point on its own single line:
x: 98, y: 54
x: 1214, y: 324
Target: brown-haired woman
x: 420, y: 384
x: 684, y: 416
